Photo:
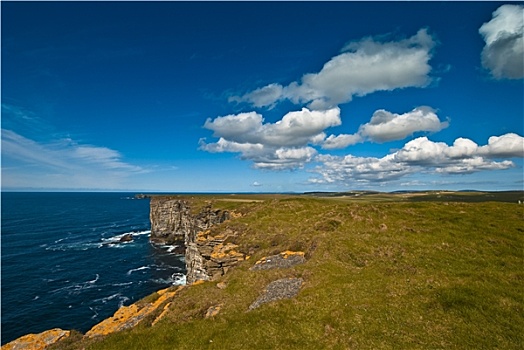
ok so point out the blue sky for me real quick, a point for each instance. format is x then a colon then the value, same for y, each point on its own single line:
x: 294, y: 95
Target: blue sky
x: 262, y: 96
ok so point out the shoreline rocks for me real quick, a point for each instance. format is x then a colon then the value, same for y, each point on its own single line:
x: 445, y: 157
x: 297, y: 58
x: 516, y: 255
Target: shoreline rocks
x: 37, y: 341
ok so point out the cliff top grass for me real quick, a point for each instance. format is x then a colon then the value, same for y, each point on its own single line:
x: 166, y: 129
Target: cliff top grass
x: 379, y: 274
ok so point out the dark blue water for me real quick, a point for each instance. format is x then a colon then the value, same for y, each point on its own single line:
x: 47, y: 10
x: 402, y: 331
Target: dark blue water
x: 64, y: 266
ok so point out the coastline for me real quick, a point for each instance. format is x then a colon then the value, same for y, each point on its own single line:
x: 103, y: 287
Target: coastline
x: 210, y: 234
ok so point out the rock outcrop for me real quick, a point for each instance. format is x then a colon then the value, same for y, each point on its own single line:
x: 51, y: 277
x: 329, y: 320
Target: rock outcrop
x: 37, y: 341
x: 207, y: 257
x: 170, y: 220
x: 284, y: 288
x: 129, y: 316
x: 283, y: 260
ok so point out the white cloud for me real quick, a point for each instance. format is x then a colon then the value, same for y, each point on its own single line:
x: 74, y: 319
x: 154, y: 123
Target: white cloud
x: 239, y: 127
x: 341, y: 141
x: 386, y: 126
x: 296, y: 128
x: 363, y: 67
x: 504, y: 36
x: 421, y: 155
x: 280, y: 145
x: 61, y: 163
x: 509, y: 145
x: 265, y: 96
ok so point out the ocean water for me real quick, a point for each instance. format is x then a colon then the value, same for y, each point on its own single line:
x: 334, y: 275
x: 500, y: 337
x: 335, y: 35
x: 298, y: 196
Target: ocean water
x: 63, y: 264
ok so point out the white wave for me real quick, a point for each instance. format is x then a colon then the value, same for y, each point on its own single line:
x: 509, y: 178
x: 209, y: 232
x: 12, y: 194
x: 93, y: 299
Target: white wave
x: 77, y: 287
x: 179, y: 279
x: 117, y: 238
x: 106, y: 299
x: 94, y: 281
x: 122, y: 284
x: 73, y: 246
x: 176, y: 279
x: 137, y: 269
x: 122, y: 301
x: 95, y: 315
x: 170, y: 248
x: 146, y: 232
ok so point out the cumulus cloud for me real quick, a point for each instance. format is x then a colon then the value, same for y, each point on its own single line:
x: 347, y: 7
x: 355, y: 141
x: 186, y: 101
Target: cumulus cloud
x: 504, y: 36
x: 262, y: 97
x: 61, y: 163
x: 505, y: 146
x: 422, y: 155
x: 280, y: 145
x: 341, y: 141
x: 296, y: 128
x: 363, y: 67
x: 386, y: 126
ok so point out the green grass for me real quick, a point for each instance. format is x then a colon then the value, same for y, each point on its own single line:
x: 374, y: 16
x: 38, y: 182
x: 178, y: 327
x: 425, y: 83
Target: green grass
x: 379, y: 275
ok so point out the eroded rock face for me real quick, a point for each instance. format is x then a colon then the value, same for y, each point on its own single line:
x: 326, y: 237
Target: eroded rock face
x: 170, y: 220
x: 207, y: 257
x: 37, y: 341
x: 173, y: 222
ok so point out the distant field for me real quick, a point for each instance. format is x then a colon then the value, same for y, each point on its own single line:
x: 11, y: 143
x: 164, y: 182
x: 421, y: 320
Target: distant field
x: 439, y: 270
x: 438, y: 196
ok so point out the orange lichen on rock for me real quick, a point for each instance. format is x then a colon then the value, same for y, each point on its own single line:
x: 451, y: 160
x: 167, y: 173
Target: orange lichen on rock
x: 37, y: 341
x: 202, y: 236
x: 286, y: 254
x: 226, y: 252
x: 162, y: 314
x: 234, y: 214
x: 129, y: 316
x: 213, y: 310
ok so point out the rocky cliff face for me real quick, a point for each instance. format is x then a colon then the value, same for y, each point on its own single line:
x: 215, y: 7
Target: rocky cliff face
x: 207, y: 256
x: 170, y: 220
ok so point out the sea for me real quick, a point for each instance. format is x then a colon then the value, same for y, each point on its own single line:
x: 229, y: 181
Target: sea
x: 63, y: 264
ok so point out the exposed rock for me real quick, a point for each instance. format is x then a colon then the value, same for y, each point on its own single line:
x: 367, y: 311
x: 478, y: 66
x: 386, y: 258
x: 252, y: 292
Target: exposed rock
x: 207, y: 257
x: 221, y: 285
x: 170, y: 220
x: 283, y: 260
x: 213, y: 311
x: 128, y: 237
x: 383, y: 227
x: 162, y: 314
x: 285, y: 288
x: 37, y: 341
x: 129, y: 316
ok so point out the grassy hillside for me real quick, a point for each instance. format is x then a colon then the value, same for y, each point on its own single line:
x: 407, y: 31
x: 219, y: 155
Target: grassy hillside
x: 379, y: 275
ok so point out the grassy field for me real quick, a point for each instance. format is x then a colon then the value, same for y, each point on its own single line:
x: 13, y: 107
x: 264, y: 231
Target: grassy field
x: 380, y: 274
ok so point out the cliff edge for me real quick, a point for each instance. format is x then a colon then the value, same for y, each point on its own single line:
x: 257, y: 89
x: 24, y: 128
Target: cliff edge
x: 178, y: 221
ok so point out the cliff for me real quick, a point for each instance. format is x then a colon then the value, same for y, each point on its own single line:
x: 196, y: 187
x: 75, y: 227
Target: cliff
x: 208, y: 257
